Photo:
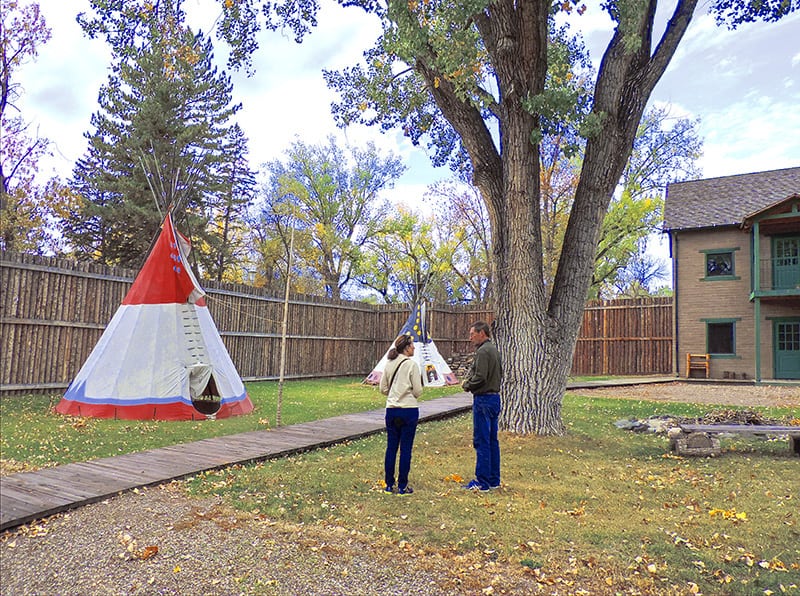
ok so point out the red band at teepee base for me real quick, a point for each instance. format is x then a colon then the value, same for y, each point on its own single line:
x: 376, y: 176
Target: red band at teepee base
x: 170, y: 411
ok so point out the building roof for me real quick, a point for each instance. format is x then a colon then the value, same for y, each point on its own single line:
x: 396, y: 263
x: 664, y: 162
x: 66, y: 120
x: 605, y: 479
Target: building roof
x: 727, y: 200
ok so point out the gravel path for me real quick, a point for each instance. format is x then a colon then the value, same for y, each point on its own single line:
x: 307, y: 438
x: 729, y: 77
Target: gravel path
x: 206, y: 548
x: 704, y: 393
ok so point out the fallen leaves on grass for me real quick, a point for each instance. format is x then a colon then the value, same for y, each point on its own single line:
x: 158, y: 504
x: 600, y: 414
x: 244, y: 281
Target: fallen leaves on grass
x: 578, y: 511
x: 453, y: 478
x: 730, y: 514
x: 12, y: 466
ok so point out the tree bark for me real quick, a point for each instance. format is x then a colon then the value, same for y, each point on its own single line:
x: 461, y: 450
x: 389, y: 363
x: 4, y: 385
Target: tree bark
x: 536, y: 329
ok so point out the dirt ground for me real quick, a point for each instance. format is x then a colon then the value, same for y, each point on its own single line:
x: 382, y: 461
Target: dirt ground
x: 722, y: 394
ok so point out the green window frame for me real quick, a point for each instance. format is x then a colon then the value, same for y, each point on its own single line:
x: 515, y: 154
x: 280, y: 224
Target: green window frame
x: 721, y: 337
x: 720, y: 264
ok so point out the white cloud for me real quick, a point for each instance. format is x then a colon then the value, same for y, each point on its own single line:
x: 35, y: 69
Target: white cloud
x: 742, y: 84
x: 754, y: 134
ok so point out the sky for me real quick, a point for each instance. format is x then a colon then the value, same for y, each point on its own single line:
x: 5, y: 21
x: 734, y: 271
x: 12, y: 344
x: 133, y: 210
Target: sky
x: 743, y: 85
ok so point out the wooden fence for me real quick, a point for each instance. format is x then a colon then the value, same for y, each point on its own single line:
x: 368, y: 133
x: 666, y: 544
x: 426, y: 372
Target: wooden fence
x: 625, y: 337
x: 53, y: 311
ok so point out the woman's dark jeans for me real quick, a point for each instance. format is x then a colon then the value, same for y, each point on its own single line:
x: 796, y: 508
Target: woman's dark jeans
x: 401, y: 427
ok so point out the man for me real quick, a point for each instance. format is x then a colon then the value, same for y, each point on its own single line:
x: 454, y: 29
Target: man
x: 483, y: 381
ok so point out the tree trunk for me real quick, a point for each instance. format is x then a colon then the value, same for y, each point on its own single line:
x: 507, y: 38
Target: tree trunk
x: 537, y: 357
x: 537, y: 326
x: 537, y: 337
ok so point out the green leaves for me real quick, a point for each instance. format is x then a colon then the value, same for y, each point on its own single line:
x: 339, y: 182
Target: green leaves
x: 736, y: 12
x: 332, y: 201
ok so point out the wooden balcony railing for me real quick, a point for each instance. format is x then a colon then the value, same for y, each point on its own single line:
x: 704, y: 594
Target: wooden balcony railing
x: 780, y: 276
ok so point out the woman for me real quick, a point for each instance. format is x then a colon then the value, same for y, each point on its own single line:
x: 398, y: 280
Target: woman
x: 401, y: 383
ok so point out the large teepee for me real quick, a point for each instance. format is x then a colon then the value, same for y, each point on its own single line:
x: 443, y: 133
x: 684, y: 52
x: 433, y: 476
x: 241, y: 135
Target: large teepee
x: 161, y: 356
x: 435, y: 372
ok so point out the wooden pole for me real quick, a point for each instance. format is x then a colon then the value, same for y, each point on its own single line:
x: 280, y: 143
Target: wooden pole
x: 285, y: 325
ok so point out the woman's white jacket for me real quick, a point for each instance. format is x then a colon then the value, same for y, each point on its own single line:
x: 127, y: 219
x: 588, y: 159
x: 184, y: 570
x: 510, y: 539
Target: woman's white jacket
x: 407, y: 385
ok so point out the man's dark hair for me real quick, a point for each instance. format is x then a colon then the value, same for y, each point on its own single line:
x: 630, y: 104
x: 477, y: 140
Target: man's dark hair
x: 479, y: 326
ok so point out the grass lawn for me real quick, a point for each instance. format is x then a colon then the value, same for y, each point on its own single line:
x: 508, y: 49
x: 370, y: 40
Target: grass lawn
x: 601, y: 510
x: 597, y: 511
x: 32, y: 436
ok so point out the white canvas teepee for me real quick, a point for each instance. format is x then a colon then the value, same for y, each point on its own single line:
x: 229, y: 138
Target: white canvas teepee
x: 434, y: 369
x: 160, y: 350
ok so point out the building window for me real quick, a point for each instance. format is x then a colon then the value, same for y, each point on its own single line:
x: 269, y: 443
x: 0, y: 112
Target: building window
x: 719, y: 264
x: 720, y: 337
x: 788, y: 337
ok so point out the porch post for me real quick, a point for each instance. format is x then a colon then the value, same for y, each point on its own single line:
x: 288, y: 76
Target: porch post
x: 756, y: 293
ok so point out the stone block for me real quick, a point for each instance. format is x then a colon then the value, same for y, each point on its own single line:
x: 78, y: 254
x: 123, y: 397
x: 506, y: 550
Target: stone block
x: 696, y: 443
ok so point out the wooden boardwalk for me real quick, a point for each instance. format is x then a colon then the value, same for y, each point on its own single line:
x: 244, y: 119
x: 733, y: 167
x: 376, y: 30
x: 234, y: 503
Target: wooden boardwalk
x: 27, y: 496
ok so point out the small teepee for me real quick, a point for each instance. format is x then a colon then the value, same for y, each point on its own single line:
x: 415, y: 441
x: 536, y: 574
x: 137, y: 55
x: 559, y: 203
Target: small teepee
x: 161, y: 356
x: 434, y: 369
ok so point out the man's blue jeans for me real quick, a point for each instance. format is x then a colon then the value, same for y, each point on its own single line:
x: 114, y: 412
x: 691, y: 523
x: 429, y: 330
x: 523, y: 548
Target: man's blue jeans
x: 485, y: 411
x: 401, y: 427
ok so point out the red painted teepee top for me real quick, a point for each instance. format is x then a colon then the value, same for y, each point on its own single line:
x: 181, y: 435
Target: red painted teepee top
x: 165, y: 277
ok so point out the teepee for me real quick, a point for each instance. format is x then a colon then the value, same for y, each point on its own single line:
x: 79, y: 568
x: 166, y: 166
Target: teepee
x: 435, y: 372
x: 161, y: 356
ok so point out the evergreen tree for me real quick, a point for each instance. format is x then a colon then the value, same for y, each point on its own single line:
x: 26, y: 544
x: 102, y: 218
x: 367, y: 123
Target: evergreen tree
x: 227, y: 235
x: 159, y: 142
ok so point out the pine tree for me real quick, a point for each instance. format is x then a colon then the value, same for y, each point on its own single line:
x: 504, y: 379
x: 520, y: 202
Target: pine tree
x: 159, y: 141
x: 227, y: 233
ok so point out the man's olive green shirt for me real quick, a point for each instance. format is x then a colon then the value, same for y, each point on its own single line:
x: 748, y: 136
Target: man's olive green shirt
x: 485, y: 372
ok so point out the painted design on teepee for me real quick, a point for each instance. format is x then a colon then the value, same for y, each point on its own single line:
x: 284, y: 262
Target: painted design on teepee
x: 161, y: 355
x: 434, y: 369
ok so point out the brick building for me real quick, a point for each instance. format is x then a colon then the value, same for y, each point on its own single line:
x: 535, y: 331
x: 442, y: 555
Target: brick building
x: 735, y: 248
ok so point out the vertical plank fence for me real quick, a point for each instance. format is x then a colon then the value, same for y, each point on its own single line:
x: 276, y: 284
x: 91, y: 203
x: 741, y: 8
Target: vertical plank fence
x: 630, y: 336
x: 53, y: 311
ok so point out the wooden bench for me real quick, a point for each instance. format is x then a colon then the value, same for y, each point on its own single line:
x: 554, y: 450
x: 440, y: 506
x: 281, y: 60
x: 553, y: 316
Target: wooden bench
x: 700, y: 439
x: 699, y: 362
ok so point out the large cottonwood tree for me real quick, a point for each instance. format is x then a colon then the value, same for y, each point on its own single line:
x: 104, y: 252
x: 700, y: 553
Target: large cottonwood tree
x: 485, y: 65
x: 471, y: 78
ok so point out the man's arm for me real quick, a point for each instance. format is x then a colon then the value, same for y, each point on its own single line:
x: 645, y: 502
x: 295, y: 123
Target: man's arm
x: 479, y: 372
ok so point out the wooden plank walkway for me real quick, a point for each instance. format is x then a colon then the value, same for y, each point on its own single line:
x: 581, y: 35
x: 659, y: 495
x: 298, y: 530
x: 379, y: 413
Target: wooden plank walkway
x: 28, y: 496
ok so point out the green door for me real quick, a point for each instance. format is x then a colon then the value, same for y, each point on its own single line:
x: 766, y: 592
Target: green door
x: 786, y: 263
x: 787, y: 349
